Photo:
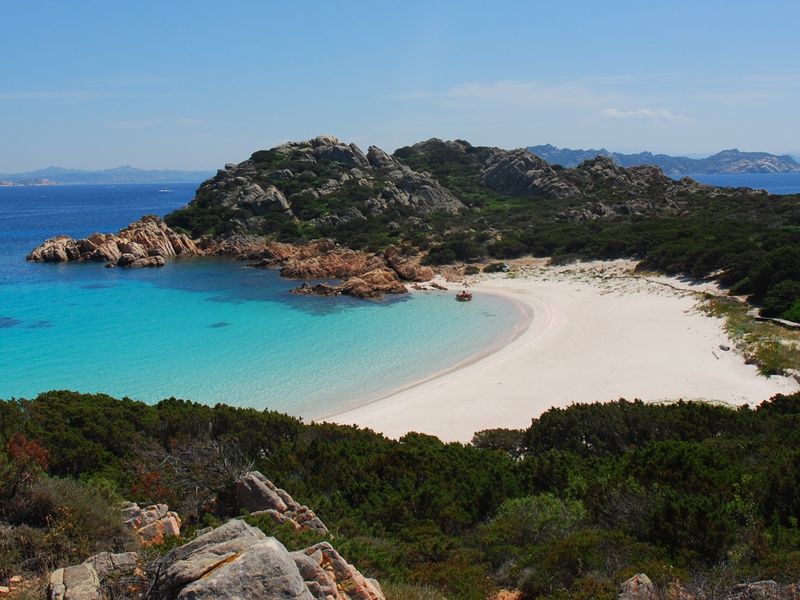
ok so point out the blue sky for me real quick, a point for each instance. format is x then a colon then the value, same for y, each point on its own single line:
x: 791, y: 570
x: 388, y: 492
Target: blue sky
x: 179, y: 84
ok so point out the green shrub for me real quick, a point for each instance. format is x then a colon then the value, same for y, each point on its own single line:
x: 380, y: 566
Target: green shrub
x: 407, y: 591
x: 62, y: 521
x: 782, y: 300
x: 496, y: 267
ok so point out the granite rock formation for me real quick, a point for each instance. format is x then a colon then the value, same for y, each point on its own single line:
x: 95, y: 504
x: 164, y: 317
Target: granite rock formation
x: 153, y: 524
x: 295, y: 180
x: 259, y: 496
x: 85, y: 581
x: 144, y: 243
x: 240, y: 561
x: 595, y: 189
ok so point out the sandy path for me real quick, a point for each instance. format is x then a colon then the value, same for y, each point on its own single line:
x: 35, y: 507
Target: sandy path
x: 592, y: 338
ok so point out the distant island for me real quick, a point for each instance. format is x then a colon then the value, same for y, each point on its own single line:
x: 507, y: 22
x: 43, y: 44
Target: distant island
x: 23, y: 182
x: 118, y: 175
x: 726, y: 161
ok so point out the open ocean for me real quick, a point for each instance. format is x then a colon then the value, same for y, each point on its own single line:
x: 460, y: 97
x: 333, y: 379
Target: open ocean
x: 210, y: 330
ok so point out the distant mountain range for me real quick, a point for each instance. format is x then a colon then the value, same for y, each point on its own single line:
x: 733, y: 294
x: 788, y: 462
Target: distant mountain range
x: 118, y: 175
x: 727, y: 161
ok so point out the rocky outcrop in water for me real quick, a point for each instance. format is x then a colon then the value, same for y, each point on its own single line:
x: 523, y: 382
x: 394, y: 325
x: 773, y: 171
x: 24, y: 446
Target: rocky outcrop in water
x: 144, y: 243
x: 363, y: 275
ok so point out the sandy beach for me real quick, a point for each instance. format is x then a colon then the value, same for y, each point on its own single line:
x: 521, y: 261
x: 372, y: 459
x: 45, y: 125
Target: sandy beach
x: 598, y: 333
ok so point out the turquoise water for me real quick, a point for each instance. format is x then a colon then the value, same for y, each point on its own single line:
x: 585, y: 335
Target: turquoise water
x: 210, y: 330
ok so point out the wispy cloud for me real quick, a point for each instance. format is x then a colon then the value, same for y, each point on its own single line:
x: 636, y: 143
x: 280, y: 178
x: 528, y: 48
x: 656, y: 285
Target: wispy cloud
x: 643, y: 114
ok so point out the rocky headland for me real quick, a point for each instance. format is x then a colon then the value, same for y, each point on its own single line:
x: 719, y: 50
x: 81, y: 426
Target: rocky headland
x: 362, y: 224
x: 144, y: 243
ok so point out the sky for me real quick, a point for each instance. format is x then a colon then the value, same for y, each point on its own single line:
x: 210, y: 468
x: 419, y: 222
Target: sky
x: 196, y: 84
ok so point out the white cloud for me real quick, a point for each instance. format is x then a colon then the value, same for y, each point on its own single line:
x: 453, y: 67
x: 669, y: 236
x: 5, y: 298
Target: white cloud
x: 643, y: 114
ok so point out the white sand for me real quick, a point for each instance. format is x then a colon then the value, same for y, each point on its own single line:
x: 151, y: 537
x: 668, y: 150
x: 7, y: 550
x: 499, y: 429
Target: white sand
x: 594, y: 336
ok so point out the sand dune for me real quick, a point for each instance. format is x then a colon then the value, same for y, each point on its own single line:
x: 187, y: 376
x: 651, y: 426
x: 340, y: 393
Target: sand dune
x: 597, y: 333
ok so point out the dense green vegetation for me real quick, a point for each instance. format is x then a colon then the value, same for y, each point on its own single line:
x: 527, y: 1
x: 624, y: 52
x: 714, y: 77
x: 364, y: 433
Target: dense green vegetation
x: 750, y: 242
x: 582, y: 499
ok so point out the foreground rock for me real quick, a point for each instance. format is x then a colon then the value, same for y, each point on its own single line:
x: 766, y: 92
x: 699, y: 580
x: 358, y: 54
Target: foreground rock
x: 259, y: 496
x: 638, y: 587
x: 144, y: 243
x: 85, y: 581
x: 239, y: 561
x: 153, y: 524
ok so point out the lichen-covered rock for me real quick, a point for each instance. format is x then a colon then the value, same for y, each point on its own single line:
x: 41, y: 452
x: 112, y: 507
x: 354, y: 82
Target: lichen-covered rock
x: 108, y: 564
x: 255, y: 492
x: 259, y: 496
x: 78, y: 582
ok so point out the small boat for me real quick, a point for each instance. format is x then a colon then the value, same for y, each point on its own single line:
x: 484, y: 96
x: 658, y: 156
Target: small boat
x: 164, y: 191
x: 464, y: 296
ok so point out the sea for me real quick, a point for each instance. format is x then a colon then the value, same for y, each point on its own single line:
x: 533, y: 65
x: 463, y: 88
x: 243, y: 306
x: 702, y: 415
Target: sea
x: 774, y: 183
x: 215, y: 330
x: 205, y: 329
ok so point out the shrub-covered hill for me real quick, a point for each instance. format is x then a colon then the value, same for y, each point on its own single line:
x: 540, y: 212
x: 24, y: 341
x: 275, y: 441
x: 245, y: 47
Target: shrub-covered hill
x: 581, y: 500
x: 457, y: 202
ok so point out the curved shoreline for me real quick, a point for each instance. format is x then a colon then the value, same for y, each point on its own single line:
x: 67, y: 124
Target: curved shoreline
x: 527, y: 317
x: 594, y: 337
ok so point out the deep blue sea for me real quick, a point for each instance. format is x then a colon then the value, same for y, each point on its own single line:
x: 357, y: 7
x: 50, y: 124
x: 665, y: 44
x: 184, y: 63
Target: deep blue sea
x: 210, y: 330
x: 774, y: 183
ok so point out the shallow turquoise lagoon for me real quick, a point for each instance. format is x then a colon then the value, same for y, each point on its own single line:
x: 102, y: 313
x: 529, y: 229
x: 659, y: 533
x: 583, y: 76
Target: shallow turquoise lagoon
x: 205, y: 329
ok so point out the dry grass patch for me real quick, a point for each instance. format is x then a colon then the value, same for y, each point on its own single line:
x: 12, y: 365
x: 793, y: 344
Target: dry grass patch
x: 774, y: 349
